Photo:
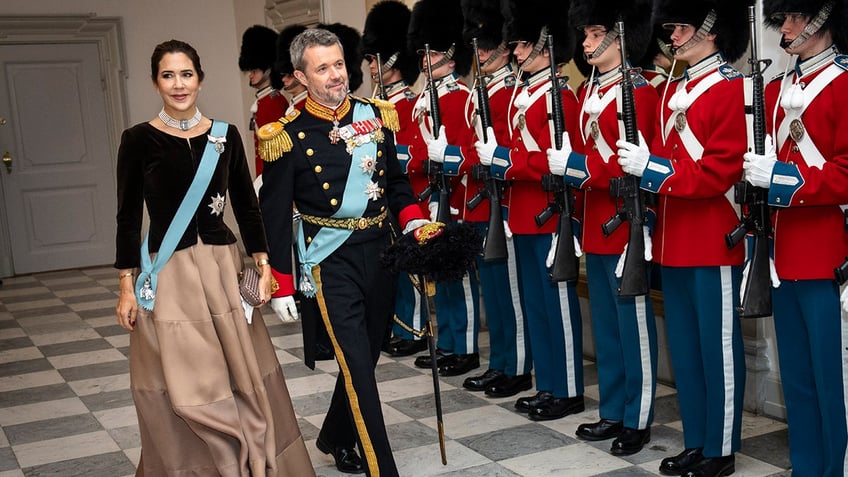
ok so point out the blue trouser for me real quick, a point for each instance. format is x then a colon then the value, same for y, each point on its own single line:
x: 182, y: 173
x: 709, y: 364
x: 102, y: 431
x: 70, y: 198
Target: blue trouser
x: 705, y: 340
x: 553, y: 319
x: 812, y: 336
x: 625, y: 335
x: 508, y: 342
x: 409, y: 308
x: 458, y: 314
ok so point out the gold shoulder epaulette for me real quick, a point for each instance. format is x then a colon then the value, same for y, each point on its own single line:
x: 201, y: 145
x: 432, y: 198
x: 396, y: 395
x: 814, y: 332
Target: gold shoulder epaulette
x: 273, y: 138
x: 388, y: 113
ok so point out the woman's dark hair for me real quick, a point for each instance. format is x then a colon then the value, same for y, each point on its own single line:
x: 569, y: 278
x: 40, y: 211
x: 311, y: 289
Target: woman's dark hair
x: 174, y: 46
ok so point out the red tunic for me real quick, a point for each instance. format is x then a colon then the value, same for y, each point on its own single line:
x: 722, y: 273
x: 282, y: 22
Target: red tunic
x: 269, y: 108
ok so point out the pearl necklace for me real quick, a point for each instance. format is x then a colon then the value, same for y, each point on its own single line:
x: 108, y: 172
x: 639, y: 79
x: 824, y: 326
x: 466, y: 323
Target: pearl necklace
x: 181, y: 124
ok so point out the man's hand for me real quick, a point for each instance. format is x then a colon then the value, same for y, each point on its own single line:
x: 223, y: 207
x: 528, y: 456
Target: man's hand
x: 486, y: 150
x: 436, y: 147
x: 285, y: 308
x: 759, y: 167
x: 558, y: 158
x: 549, y: 260
x: 414, y: 224
x: 433, y: 207
x: 775, y: 281
x: 633, y: 159
x: 649, y: 244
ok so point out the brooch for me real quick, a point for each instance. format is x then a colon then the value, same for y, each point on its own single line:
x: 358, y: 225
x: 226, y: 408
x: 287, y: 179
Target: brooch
x: 218, y: 142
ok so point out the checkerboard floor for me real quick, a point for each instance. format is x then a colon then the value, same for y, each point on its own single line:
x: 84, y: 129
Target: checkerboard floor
x: 66, y: 408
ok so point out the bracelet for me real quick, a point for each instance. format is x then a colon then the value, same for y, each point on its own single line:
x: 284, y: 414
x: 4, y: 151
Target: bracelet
x: 262, y: 262
x: 125, y: 275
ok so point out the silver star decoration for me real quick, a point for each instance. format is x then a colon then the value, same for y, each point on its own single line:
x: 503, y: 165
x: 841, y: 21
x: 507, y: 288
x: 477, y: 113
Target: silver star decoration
x: 372, y: 190
x: 368, y: 165
x: 217, y: 204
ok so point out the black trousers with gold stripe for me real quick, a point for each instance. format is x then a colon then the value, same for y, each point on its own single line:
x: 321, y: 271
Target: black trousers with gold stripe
x: 356, y: 299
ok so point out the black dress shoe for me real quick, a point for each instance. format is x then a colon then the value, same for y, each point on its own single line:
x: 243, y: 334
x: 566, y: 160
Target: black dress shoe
x: 480, y: 383
x: 407, y: 347
x: 425, y: 362
x: 680, y: 463
x: 599, y: 431
x: 461, y: 364
x: 510, y: 386
x: 630, y: 441
x: 713, y: 467
x: 347, y: 460
x: 557, y: 408
x: 526, y: 403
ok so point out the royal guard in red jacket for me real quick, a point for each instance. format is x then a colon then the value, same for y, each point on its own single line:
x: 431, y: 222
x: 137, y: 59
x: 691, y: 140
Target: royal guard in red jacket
x: 256, y: 59
x: 623, y: 326
x: 551, y: 308
x: 438, y: 23
x: 805, y: 168
x: 693, y: 164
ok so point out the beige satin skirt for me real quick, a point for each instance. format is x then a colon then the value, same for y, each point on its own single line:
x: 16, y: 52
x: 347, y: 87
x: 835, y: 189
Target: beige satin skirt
x: 209, y: 391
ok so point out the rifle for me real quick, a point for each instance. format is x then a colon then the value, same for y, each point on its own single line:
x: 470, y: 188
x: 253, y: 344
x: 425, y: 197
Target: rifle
x: 381, y: 88
x: 756, y: 218
x: 438, y: 182
x: 626, y: 191
x: 565, y: 267
x: 494, y: 247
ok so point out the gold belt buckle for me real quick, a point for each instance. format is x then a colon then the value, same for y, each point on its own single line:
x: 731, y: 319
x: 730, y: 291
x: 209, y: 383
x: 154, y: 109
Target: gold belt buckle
x: 362, y: 223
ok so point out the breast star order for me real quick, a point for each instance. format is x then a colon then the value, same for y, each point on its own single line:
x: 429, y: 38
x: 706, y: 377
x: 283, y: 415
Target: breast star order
x: 372, y: 190
x: 368, y: 164
x: 217, y: 204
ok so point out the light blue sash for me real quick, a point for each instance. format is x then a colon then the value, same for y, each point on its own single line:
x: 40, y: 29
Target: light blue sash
x: 354, y: 202
x: 145, y: 285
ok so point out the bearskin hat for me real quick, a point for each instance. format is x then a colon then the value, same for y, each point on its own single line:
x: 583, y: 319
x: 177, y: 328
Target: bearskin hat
x: 257, y: 48
x: 483, y: 21
x: 443, y: 254
x: 283, y: 65
x: 731, y: 26
x: 524, y: 20
x: 439, y: 24
x: 385, y: 33
x: 657, y: 44
x: 835, y: 21
x: 349, y: 38
x: 635, y: 13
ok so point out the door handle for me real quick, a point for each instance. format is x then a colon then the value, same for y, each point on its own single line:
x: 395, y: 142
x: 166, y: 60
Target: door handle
x: 7, y: 161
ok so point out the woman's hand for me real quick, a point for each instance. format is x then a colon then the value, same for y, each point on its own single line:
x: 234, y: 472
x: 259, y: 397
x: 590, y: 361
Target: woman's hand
x: 127, y: 308
x: 266, y: 278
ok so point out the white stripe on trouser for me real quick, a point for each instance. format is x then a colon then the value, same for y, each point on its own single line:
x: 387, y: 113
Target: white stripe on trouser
x: 844, y: 330
x: 520, y: 332
x: 727, y: 359
x: 647, y: 397
x: 470, y: 307
x: 568, y: 335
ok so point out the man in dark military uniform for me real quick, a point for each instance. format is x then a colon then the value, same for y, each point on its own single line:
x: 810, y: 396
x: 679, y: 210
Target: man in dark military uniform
x: 336, y: 161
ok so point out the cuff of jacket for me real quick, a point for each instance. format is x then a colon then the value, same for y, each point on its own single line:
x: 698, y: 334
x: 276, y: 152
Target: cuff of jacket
x: 286, y: 283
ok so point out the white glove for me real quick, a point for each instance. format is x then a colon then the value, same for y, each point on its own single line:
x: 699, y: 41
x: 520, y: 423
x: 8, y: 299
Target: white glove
x: 843, y: 298
x: 414, y: 224
x: 285, y: 308
x: 486, y: 150
x: 507, y: 230
x: 649, y: 244
x: 759, y: 167
x: 775, y: 281
x: 433, y: 207
x: 578, y: 250
x: 558, y: 158
x: 257, y: 184
x: 436, y: 147
x: 633, y: 159
x: 549, y: 260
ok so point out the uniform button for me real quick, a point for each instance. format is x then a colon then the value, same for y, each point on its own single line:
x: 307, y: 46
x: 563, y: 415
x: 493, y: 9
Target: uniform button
x: 669, y: 189
x: 301, y: 135
x: 382, y: 172
x: 777, y: 200
x: 334, y: 202
x: 674, y: 147
x: 308, y: 239
x: 795, y: 148
x: 380, y: 153
x: 318, y: 169
x: 594, y: 147
x: 650, y: 184
x: 801, y: 201
x: 382, y: 208
x: 326, y: 185
x: 310, y: 152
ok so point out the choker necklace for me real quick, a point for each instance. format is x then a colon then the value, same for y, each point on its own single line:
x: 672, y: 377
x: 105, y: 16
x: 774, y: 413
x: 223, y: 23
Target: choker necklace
x: 181, y: 124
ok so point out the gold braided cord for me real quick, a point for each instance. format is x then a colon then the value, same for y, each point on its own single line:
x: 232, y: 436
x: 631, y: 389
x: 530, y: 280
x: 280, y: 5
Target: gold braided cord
x: 320, y: 111
x: 358, y: 223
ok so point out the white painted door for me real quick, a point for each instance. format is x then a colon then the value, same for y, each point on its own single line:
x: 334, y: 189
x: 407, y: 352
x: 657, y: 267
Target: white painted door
x: 59, y: 198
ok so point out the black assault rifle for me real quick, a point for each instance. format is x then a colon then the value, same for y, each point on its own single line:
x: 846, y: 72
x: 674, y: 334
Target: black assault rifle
x: 381, y: 88
x: 756, y: 219
x: 438, y: 182
x: 566, y: 266
x: 626, y: 191
x: 494, y: 247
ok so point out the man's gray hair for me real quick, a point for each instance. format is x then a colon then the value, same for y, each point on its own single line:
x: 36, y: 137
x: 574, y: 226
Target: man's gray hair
x: 309, y: 38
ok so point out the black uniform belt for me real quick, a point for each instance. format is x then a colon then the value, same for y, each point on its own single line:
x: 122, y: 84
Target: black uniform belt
x: 357, y: 223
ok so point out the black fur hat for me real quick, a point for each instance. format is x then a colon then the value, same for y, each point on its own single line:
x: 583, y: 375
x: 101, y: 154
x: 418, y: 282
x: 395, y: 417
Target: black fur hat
x: 257, y: 48
x: 349, y: 38
x: 484, y: 21
x: 659, y: 35
x: 635, y: 13
x: 524, y: 20
x: 439, y: 23
x: 731, y: 25
x: 385, y: 33
x: 283, y: 65
x: 443, y: 254
x: 835, y: 21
